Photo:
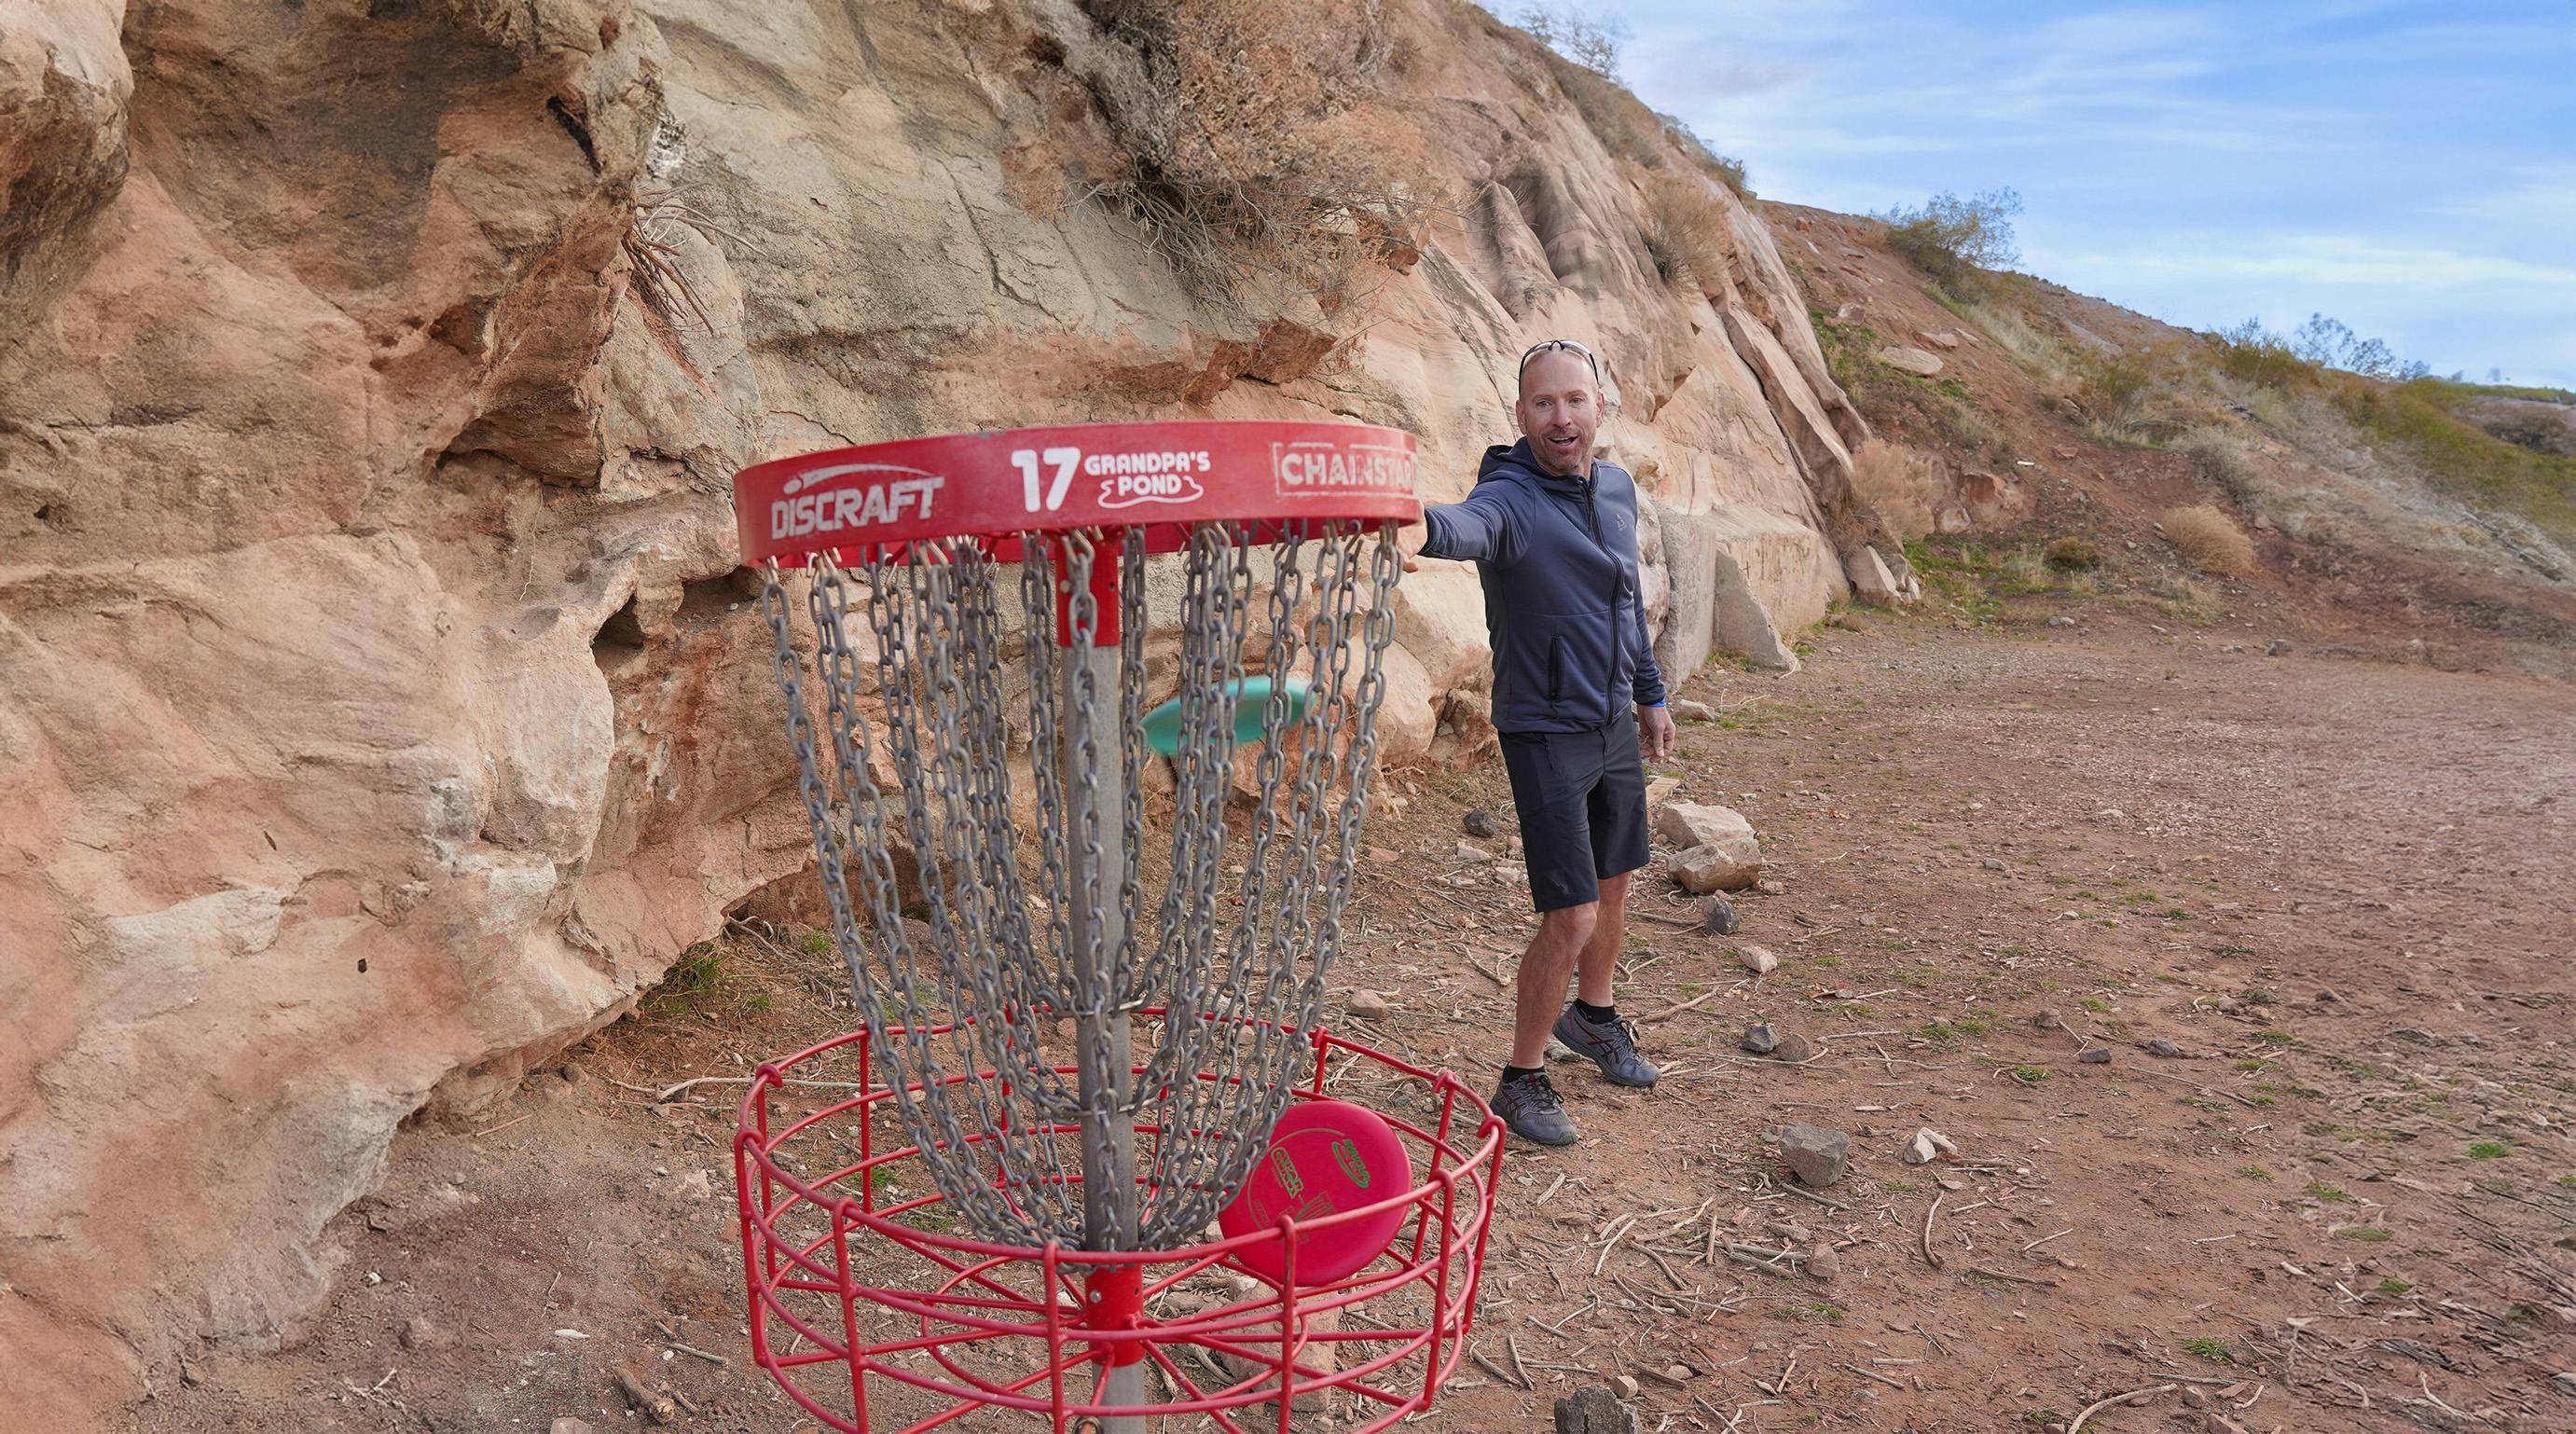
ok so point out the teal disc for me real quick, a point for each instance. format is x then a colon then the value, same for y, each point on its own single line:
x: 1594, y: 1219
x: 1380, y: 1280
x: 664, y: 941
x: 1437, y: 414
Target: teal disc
x: 1251, y: 697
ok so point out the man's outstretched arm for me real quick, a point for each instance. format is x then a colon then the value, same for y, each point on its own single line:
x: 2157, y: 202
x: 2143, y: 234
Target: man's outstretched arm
x: 1476, y: 529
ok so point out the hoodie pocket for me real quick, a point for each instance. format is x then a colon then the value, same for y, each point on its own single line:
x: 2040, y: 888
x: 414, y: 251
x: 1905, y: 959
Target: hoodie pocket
x: 1556, y: 669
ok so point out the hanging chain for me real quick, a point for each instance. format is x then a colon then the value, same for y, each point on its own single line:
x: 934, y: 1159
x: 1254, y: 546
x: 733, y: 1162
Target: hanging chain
x: 978, y: 937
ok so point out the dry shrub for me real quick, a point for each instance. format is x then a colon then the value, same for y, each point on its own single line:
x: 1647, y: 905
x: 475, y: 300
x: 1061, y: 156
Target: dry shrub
x: 1687, y: 230
x: 2073, y: 555
x: 2220, y: 460
x: 2210, y: 539
x: 1260, y: 148
x: 1900, y: 484
x: 2111, y: 392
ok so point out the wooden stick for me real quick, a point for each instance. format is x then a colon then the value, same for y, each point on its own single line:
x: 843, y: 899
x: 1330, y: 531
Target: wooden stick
x: 1487, y: 1365
x: 1704, y: 997
x: 657, y: 1409
x: 1866, y: 1374
x: 2076, y: 1425
x: 695, y: 1353
x: 1930, y: 1258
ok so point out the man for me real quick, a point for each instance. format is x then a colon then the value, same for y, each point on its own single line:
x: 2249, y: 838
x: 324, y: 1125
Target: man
x: 1579, y: 706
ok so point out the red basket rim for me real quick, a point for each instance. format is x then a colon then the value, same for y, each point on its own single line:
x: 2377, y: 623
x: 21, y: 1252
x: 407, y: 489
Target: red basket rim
x: 1283, y: 478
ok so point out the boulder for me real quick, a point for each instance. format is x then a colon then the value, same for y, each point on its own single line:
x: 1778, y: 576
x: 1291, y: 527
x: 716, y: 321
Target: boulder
x: 1815, y: 1155
x: 1688, y: 824
x: 1913, y: 361
x: 1871, y: 582
x: 1719, y: 851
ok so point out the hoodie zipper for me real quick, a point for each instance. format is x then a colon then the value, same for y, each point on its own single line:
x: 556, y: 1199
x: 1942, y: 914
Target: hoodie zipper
x: 1618, y: 580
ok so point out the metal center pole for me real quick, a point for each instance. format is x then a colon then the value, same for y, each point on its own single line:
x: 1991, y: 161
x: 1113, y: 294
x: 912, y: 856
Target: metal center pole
x: 1096, y: 925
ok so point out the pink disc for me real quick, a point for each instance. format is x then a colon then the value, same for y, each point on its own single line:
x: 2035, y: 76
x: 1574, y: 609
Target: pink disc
x: 1324, y: 1156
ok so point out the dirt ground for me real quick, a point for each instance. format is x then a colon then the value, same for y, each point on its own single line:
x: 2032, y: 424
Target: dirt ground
x: 2343, y: 889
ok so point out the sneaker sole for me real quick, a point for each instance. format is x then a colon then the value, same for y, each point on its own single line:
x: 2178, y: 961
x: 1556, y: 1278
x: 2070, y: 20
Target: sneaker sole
x: 1571, y: 1136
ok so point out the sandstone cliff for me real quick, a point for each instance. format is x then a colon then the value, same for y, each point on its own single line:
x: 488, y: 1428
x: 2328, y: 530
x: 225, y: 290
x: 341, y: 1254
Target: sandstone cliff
x: 379, y: 704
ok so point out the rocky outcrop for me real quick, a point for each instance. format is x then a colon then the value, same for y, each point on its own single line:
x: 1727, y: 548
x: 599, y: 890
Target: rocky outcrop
x: 380, y: 706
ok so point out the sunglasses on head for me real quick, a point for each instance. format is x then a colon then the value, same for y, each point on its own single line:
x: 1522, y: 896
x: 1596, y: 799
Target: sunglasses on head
x: 1569, y: 345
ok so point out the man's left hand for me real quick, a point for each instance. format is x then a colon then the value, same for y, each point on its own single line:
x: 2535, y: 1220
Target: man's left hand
x: 1654, y: 733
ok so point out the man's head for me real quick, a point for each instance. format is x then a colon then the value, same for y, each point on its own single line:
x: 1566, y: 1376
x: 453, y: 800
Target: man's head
x: 1559, y: 408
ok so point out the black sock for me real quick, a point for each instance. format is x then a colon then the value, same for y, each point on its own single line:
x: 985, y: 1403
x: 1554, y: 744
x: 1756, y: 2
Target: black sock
x: 1597, y: 1015
x: 1513, y: 1073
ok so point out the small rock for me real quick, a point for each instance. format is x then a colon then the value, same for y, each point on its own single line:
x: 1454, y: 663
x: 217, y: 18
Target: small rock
x: 2159, y: 1046
x: 190, y: 1374
x: 1761, y: 1040
x: 1680, y: 1373
x: 1815, y: 1155
x: 2224, y: 1005
x: 2194, y: 1397
x: 1594, y: 1409
x: 694, y: 1186
x: 2409, y: 1033
x: 2279, y: 647
x: 1719, y: 916
x: 2094, y: 1055
x: 569, y: 1073
x: 570, y: 1426
x: 1757, y: 960
x: 1685, y: 710
x: 1624, y: 1385
x: 1823, y: 1263
x: 1478, y: 823
x: 1469, y: 851
x: 1369, y: 1005
x: 2214, y: 1422
x: 1794, y: 1048
x: 1927, y: 1146
x: 1768, y: 887
x: 2327, y: 998
x: 1660, y: 791
x: 2061, y: 620
x: 418, y: 1332
x: 2062, y: 452
x: 2043, y: 1020
x: 1994, y: 863
x: 1910, y: 360
x: 1382, y: 856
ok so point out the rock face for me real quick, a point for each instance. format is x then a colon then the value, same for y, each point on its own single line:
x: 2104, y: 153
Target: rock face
x: 380, y: 704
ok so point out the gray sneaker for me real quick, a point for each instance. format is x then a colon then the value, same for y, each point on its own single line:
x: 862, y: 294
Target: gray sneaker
x: 1530, y: 1107
x: 1613, y: 1047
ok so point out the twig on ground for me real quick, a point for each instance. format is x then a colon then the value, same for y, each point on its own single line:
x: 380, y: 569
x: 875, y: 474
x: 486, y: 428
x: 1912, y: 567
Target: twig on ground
x: 1675, y: 1009
x: 1487, y: 1365
x: 1929, y: 1215
x: 2076, y: 1425
x: 1868, y: 1374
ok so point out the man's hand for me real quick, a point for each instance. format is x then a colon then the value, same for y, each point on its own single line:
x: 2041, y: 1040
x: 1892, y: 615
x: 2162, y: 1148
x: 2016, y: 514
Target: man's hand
x: 1409, y: 540
x: 1654, y: 733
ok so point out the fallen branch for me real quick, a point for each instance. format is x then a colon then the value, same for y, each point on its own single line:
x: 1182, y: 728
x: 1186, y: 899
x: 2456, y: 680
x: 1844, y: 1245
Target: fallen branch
x: 1930, y: 1258
x: 1675, y: 1009
x: 2076, y: 1425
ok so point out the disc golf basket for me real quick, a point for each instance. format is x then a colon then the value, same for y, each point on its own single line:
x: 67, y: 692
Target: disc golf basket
x: 1091, y: 1163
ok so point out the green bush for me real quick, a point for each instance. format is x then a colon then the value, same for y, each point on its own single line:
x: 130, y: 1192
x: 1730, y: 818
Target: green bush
x: 2073, y: 555
x: 1952, y: 239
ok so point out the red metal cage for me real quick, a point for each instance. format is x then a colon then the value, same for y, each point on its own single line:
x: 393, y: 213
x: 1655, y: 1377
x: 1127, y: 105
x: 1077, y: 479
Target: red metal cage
x: 872, y: 1316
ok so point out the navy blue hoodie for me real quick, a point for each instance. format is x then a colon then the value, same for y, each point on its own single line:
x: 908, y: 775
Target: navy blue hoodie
x: 1558, y: 559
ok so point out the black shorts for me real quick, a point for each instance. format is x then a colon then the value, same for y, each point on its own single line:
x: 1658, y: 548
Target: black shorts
x: 1582, y: 803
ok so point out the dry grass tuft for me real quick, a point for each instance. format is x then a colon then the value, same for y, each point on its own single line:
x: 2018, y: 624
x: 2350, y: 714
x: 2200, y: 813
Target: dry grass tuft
x: 1901, y: 484
x: 2210, y: 539
x: 2221, y: 461
x: 1259, y: 148
x: 1688, y: 231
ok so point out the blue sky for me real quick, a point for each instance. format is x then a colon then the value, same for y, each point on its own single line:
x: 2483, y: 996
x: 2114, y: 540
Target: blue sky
x: 2407, y: 168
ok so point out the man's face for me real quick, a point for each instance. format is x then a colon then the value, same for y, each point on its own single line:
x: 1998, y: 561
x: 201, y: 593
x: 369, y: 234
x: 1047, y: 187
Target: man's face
x: 1559, y: 412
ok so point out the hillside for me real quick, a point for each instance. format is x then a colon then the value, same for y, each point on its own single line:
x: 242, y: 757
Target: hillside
x: 2383, y: 518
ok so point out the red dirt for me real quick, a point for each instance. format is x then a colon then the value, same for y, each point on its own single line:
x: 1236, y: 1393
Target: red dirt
x: 2341, y: 849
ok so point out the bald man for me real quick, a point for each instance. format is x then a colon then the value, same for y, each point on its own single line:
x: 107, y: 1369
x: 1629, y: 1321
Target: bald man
x: 1579, y: 705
